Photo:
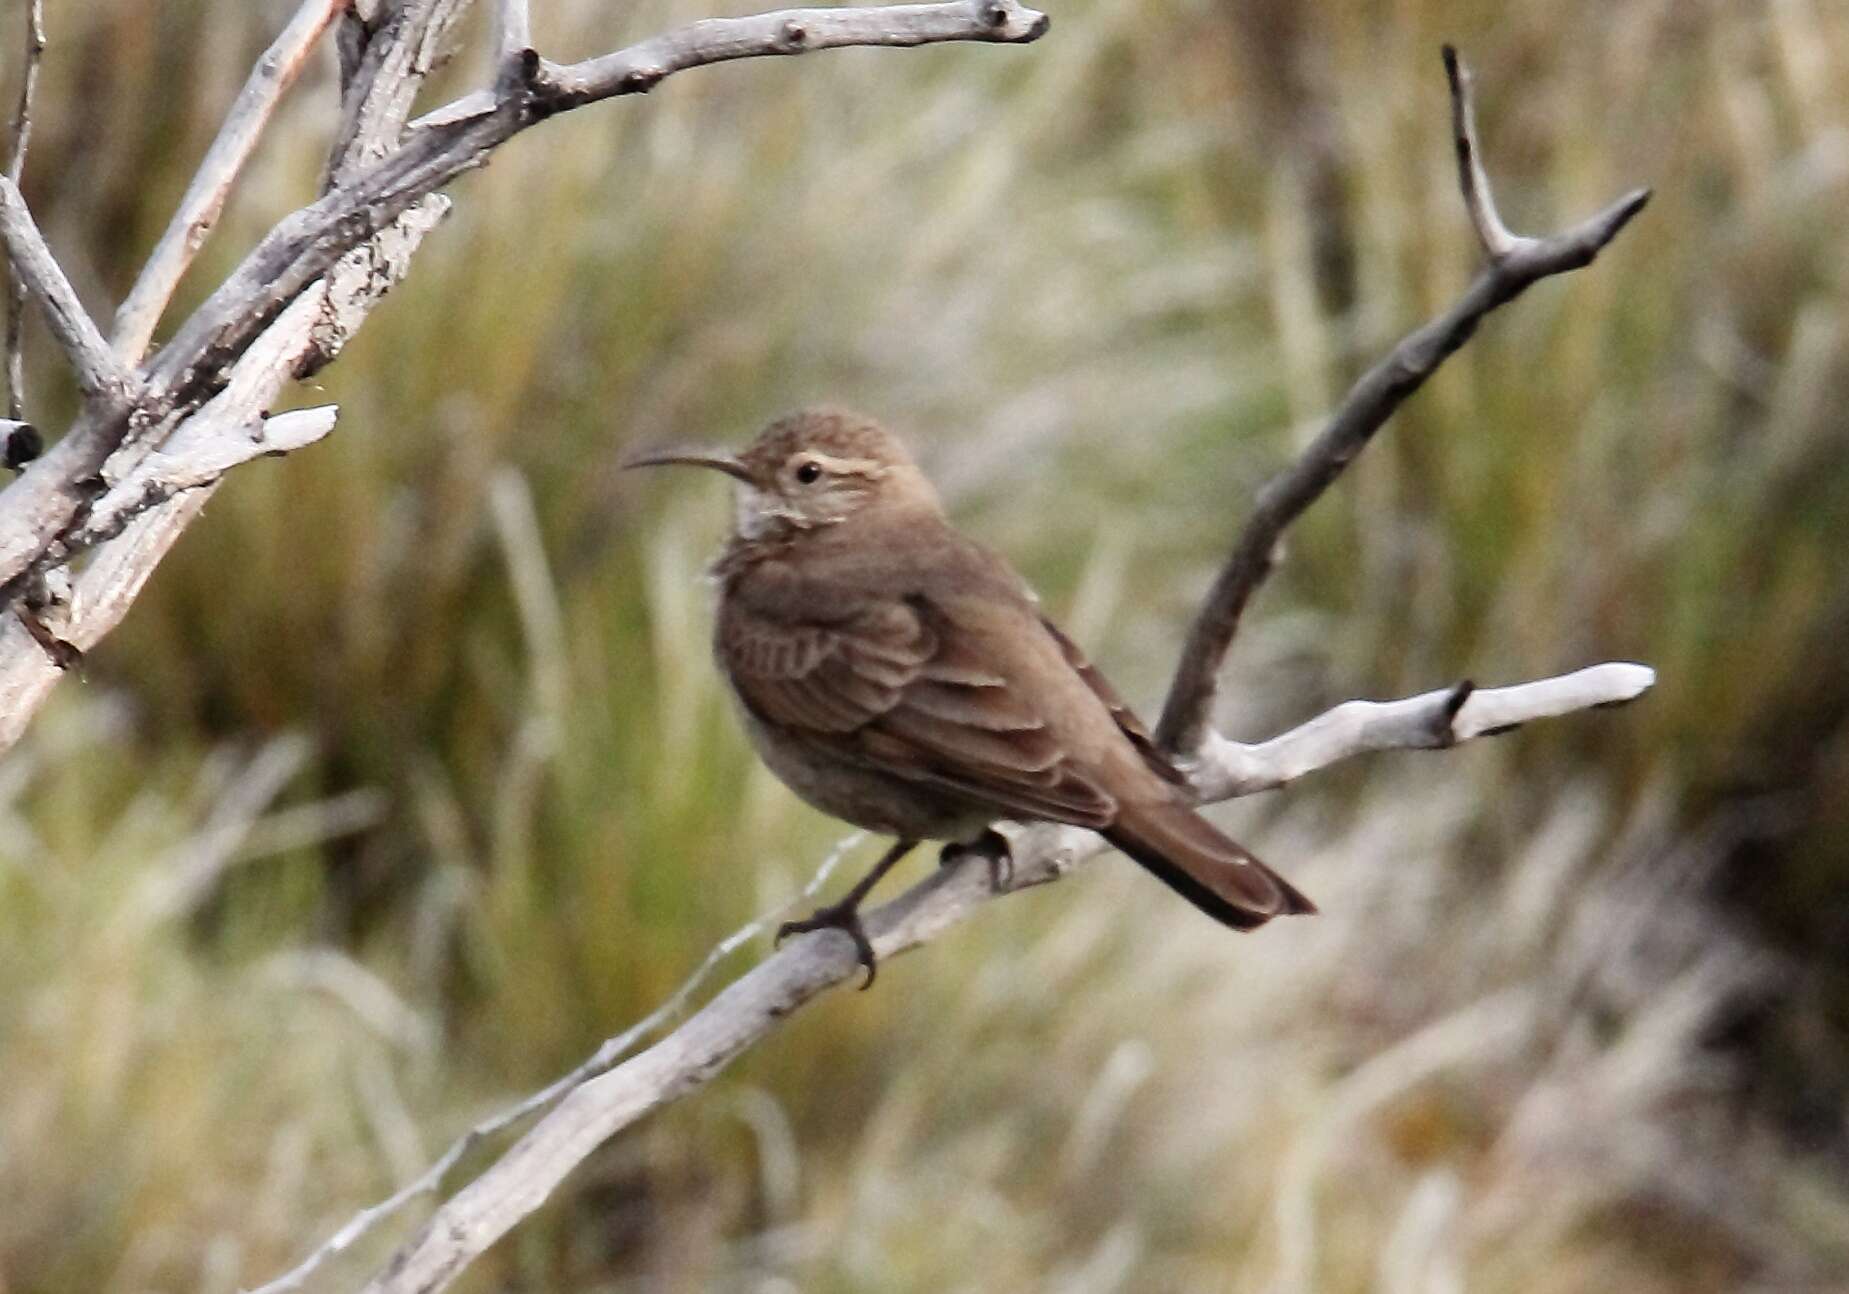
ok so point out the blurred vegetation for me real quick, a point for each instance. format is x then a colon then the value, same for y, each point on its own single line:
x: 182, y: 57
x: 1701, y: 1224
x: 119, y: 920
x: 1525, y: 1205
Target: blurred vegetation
x: 408, y: 780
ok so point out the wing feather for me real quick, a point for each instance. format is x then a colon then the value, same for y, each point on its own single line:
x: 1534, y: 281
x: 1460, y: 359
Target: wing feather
x: 989, y: 707
x: 1127, y: 720
x: 886, y: 688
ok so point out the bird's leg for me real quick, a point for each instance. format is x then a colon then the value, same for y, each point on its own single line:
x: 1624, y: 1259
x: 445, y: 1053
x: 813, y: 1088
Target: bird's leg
x: 993, y: 846
x: 845, y: 914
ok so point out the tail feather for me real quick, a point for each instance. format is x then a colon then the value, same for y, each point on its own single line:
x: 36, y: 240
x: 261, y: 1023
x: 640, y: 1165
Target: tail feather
x: 1200, y: 863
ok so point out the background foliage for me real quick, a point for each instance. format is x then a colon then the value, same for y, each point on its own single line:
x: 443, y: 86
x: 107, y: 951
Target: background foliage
x: 409, y: 780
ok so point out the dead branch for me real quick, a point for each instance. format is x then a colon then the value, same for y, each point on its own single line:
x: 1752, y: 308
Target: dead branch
x: 461, y: 137
x: 1226, y: 770
x: 590, y: 1113
x: 356, y: 239
x: 1512, y: 265
x: 1432, y: 721
x: 614, y: 1049
x: 15, y: 171
x: 205, y: 196
x: 99, y: 376
x: 318, y: 323
x: 198, y: 455
x: 394, y: 49
x: 791, y: 31
x: 513, y: 39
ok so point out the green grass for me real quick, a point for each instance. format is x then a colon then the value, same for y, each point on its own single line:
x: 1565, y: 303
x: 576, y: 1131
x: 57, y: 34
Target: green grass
x: 1106, y: 285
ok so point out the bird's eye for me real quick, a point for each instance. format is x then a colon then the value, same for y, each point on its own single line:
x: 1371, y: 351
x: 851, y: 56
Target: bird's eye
x: 809, y: 473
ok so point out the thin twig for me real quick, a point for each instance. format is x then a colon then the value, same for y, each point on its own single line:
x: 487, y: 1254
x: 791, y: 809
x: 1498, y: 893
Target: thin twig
x: 204, y: 200
x: 607, y: 1055
x: 1432, y: 721
x: 23, y: 443
x: 641, y: 67
x: 1514, y: 265
x: 99, y: 375
x: 15, y: 171
x: 1472, y: 180
x: 61, y: 654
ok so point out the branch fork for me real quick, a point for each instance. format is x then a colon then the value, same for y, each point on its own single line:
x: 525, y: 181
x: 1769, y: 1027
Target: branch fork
x: 1514, y: 264
x: 343, y: 251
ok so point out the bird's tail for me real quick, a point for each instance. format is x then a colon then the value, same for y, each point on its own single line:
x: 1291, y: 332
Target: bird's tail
x: 1201, y: 864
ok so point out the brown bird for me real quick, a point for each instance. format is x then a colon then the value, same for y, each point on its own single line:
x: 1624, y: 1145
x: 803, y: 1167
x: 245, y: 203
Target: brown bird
x: 898, y: 675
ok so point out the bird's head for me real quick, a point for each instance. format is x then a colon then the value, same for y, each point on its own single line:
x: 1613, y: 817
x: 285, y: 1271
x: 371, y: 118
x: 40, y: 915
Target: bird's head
x: 811, y: 469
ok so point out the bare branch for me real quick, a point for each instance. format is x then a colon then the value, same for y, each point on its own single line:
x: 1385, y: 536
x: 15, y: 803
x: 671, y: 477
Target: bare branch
x: 198, y: 456
x: 641, y: 67
x: 309, y: 333
x: 1514, y: 265
x: 15, y: 171
x: 1226, y: 770
x: 102, y: 595
x: 513, y: 38
x: 402, y: 46
x: 379, y: 180
x: 456, y: 139
x: 748, y: 1009
x: 1432, y: 721
x: 1479, y: 200
x: 99, y: 376
x: 39, y: 509
x: 205, y: 196
x: 613, y: 1050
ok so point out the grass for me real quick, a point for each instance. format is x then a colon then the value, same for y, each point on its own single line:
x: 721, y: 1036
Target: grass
x: 1105, y: 284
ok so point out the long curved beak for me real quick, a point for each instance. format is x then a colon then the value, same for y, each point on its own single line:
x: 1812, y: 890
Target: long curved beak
x: 692, y: 458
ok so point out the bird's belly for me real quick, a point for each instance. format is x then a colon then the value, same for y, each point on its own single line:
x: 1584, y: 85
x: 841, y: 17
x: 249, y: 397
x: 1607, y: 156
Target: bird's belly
x: 864, y: 796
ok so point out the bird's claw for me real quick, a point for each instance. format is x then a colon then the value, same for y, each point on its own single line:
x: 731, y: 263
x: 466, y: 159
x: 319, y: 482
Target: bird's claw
x: 836, y: 916
x: 993, y: 846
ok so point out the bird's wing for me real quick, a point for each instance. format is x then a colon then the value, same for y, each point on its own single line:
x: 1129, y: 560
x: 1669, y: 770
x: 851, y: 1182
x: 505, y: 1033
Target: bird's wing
x: 887, y: 687
x: 1127, y: 720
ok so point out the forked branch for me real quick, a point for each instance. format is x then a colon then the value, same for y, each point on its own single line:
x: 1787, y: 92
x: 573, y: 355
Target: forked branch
x: 99, y: 376
x: 383, y: 183
x: 1512, y: 265
x: 513, y: 35
x: 204, y: 200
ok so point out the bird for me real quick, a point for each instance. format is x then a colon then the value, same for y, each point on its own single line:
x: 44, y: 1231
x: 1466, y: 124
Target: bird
x: 898, y: 675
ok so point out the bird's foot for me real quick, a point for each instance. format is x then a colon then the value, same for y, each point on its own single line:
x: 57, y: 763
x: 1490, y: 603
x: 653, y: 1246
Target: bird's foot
x: 844, y: 917
x: 993, y: 847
